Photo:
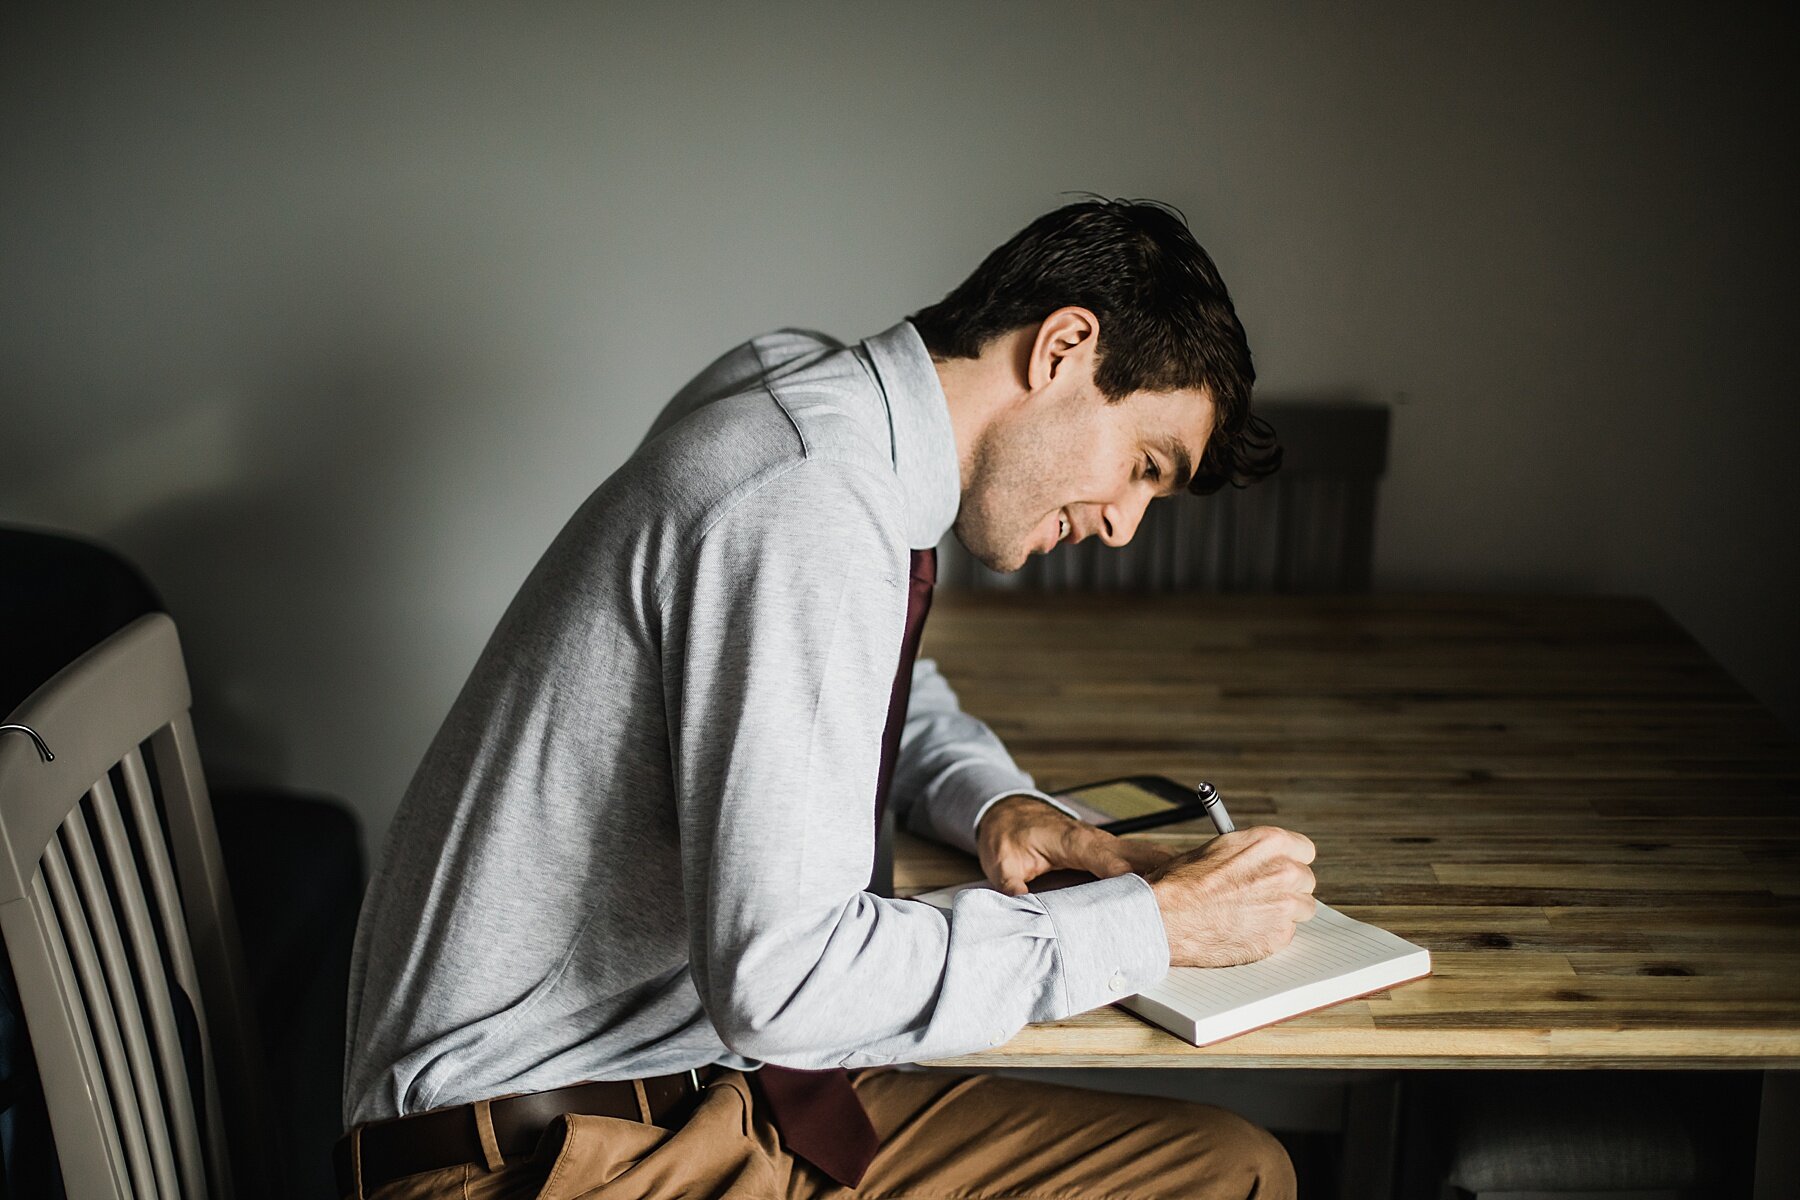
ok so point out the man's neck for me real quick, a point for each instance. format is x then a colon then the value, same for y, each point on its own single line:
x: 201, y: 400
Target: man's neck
x: 977, y: 390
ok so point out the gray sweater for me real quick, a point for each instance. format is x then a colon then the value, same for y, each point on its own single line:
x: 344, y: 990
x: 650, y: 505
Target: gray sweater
x: 641, y: 839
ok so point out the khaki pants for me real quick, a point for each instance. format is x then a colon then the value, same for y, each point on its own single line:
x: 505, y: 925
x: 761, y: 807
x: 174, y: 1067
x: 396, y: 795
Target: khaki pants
x: 942, y: 1136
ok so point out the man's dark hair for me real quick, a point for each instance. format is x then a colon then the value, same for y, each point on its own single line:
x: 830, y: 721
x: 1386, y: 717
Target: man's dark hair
x: 1166, y: 321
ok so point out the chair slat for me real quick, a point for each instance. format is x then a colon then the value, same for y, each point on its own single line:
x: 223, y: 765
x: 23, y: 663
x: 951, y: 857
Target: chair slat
x: 74, y: 921
x: 127, y: 1003
x: 226, y: 1020
x: 161, y: 873
x: 146, y: 956
x: 69, y: 1067
x: 159, y: 866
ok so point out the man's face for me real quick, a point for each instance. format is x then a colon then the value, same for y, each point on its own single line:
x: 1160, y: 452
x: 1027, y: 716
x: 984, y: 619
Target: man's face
x: 1066, y: 465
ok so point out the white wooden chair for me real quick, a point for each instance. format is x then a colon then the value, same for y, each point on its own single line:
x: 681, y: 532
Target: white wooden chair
x: 116, y: 916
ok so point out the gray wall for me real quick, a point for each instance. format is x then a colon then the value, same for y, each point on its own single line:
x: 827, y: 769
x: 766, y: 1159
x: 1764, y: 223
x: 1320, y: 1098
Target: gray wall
x: 330, y: 318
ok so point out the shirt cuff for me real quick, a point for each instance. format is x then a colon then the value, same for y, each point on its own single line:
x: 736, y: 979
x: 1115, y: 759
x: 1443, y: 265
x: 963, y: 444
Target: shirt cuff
x: 1110, y: 941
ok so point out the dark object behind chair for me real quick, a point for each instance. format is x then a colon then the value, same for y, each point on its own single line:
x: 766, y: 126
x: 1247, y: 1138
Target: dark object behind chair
x: 295, y: 865
x: 1308, y: 528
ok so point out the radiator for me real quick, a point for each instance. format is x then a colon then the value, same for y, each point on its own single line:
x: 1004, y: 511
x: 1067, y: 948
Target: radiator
x: 1308, y: 528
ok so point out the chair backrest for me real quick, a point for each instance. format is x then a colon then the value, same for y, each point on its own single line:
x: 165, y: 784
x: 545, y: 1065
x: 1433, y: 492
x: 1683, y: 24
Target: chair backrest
x: 119, y: 925
x: 1309, y: 528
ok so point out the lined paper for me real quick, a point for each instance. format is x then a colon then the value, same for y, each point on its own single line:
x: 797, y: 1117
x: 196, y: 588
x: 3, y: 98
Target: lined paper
x: 1329, y: 945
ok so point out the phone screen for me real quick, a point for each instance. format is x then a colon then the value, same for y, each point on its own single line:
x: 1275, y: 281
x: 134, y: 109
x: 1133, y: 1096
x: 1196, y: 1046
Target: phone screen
x: 1126, y: 799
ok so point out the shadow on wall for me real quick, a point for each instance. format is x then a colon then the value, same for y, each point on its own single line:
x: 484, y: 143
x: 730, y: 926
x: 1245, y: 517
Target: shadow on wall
x: 294, y: 584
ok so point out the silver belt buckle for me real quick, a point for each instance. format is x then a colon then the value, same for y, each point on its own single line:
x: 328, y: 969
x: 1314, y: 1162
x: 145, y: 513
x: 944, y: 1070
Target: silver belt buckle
x: 694, y: 1078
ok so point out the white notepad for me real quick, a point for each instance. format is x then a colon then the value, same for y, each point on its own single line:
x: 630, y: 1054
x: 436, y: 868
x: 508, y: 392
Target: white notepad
x: 1331, y: 959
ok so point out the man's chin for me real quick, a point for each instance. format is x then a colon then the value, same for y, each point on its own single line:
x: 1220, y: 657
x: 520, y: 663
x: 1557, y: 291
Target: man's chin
x: 1006, y: 561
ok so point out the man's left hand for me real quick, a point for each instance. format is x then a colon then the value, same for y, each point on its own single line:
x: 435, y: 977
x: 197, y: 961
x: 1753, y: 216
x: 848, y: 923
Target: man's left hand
x: 1021, y: 837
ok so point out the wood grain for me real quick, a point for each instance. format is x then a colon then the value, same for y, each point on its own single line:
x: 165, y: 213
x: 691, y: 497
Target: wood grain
x: 1592, y: 827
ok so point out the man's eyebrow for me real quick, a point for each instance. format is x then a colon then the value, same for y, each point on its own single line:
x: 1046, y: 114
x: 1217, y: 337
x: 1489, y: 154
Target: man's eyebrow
x: 1184, y: 466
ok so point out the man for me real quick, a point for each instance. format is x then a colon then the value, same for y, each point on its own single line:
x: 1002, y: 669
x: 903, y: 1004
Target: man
x: 637, y: 851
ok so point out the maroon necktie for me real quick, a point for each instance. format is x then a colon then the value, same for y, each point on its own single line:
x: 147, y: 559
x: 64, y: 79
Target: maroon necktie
x: 819, y: 1116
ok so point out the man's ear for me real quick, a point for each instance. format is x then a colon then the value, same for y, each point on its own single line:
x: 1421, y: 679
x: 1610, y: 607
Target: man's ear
x: 1066, y: 340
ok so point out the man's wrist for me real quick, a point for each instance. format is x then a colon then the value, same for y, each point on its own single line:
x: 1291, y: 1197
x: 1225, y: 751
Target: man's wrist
x: 1012, y: 803
x: 1164, y: 897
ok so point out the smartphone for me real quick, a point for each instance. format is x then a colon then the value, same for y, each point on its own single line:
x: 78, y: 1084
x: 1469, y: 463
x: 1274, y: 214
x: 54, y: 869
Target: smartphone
x: 1134, y: 802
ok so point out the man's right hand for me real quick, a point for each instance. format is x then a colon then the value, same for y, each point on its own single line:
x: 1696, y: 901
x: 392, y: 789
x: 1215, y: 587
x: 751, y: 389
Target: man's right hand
x: 1237, y: 898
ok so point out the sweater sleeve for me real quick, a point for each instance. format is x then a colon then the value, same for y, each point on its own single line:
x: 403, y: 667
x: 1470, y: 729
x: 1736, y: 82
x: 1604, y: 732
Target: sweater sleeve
x: 951, y: 768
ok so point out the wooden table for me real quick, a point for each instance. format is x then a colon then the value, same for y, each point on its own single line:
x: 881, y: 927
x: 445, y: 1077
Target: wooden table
x: 1589, y: 824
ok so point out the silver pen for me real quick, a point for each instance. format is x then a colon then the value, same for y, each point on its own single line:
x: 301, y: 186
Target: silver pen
x: 1215, y: 807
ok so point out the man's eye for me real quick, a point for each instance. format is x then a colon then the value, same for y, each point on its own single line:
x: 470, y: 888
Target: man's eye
x: 1150, y: 469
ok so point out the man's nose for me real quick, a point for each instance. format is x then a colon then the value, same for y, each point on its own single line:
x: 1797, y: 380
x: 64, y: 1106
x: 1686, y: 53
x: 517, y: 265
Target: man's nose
x: 1119, y: 520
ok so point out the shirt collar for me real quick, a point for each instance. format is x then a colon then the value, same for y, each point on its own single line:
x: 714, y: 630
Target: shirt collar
x: 924, y: 442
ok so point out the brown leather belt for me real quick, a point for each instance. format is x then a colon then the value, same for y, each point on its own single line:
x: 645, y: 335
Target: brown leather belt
x: 450, y: 1137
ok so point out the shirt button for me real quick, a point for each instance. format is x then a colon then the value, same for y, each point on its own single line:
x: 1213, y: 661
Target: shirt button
x: 1117, y: 982
x: 998, y: 1038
